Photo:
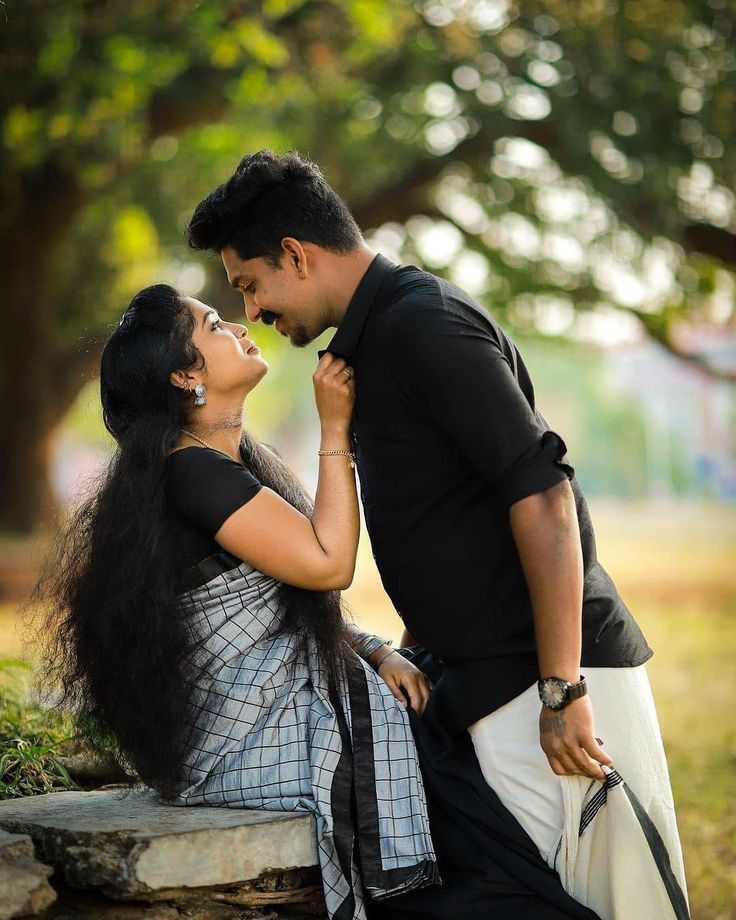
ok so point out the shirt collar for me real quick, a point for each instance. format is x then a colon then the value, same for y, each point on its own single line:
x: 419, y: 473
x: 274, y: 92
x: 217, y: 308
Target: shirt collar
x: 345, y: 341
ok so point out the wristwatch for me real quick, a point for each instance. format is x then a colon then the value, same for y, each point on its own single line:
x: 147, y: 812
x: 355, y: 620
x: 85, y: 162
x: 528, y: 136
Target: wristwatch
x: 556, y: 693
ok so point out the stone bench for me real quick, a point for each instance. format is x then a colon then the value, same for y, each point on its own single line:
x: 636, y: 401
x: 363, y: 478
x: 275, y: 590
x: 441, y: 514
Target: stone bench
x: 132, y: 847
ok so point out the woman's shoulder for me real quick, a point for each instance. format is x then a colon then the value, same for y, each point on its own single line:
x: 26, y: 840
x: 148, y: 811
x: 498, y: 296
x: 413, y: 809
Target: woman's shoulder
x: 189, y: 465
x: 194, y: 457
x: 205, y: 486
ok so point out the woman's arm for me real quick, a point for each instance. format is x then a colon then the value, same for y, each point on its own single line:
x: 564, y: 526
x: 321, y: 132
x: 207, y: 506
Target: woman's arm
x: 402, y: 677
x: 317, y: 553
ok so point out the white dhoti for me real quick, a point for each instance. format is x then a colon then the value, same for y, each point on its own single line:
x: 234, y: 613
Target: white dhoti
x: 615, y: 845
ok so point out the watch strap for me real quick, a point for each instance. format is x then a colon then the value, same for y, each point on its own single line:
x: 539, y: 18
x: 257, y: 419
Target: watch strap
x: 575, y: 691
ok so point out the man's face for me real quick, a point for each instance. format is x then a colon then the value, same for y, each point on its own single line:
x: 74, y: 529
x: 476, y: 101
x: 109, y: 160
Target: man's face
x: 278, y: 296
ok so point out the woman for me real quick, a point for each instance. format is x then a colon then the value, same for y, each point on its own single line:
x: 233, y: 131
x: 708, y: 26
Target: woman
x: 195, y: 615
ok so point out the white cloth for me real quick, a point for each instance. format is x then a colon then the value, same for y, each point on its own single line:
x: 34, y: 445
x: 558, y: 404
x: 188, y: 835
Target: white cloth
x: 591, y: 832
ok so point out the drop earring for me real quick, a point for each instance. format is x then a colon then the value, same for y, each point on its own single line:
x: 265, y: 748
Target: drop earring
x: 199, y: 394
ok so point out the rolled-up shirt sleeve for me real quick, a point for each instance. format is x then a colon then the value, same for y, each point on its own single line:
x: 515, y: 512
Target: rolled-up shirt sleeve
x: 457, y: 373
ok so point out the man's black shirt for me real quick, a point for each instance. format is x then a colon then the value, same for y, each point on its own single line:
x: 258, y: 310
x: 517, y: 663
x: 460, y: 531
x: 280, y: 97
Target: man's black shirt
x: 447, y: 438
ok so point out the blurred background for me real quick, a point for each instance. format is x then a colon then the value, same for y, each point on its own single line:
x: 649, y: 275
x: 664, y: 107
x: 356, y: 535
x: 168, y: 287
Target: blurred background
x: 571, y: 165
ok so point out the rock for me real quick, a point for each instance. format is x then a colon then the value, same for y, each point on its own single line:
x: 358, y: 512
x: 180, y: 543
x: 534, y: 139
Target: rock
x: 24, y: 886
x: 90, y: 904
x: 133, y: 846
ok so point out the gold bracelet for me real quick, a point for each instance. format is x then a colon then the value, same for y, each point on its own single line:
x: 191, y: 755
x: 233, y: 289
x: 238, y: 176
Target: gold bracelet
x: 339, y: 453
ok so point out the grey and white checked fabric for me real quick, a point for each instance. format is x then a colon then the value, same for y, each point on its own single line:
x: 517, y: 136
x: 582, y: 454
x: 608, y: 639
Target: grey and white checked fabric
x: 270, y: 733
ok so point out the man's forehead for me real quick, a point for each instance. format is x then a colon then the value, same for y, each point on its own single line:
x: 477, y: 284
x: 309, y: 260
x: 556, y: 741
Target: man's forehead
x: 240, y: 270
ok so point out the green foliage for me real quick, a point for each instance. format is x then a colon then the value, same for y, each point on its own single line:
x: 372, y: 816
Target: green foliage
x: 31, y: 738
x: 576, y: 156
x: 624, y: 110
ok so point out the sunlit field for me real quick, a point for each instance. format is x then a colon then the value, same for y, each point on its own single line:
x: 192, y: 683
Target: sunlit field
x: 674, y: 566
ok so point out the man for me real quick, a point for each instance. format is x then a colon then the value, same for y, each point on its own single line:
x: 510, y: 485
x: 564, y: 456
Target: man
x: 479, y: 528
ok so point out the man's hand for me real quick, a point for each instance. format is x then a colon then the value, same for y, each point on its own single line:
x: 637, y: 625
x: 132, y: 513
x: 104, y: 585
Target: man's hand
x: 568, y: 739
x: 401, y: 675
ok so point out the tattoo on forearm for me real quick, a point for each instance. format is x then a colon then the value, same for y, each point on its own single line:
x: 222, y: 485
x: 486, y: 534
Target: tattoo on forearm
x: 554, y: 723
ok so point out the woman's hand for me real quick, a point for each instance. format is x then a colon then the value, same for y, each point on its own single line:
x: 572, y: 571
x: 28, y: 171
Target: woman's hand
x: 315, y: 551
x: 405, y: 679
x: 334, y: 394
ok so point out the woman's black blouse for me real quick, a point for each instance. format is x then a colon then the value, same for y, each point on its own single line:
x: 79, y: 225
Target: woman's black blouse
x: 203, y: 488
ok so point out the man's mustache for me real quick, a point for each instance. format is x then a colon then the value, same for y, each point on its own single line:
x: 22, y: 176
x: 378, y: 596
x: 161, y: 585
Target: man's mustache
x: 269, y: 318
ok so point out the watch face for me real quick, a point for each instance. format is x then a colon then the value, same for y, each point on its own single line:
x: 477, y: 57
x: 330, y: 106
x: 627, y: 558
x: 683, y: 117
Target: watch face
x: 553, y: 693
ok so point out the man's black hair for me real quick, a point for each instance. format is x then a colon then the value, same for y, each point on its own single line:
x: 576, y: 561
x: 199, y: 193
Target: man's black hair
x: 267, y: 198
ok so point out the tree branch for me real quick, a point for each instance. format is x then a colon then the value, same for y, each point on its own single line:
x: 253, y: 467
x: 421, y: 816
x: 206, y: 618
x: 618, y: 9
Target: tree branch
x: 712, y: 241
x: 197, y: 96
x: 660, y: 333
x: 409, y: 195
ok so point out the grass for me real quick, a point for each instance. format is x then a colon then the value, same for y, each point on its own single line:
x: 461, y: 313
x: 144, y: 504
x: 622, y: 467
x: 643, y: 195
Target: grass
x: 31, y: 739
x: 674, y: 567
x: 694, y: 685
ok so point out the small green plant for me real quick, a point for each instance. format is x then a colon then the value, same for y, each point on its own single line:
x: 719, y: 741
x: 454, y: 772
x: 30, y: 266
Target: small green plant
x: 31, y: 739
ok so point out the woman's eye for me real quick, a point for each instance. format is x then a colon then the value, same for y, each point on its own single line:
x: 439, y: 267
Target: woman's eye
x: 216, y: 324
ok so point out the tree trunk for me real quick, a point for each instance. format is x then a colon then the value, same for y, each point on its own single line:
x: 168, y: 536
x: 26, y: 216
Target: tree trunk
x: 33, y: 391
x: 25, y: 494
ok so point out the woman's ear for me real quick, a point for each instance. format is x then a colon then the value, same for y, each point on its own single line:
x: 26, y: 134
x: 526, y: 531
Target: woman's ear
x: 180, y: 379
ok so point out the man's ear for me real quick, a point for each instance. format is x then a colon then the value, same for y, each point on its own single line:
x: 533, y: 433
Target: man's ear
x: 295, y: 255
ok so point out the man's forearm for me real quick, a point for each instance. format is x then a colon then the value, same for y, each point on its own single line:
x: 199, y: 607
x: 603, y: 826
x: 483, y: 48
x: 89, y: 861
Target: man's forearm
x: 407, y: 639
x: 547, y: 536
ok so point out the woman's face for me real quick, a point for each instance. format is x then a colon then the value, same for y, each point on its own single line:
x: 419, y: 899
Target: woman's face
x: 233, y: 362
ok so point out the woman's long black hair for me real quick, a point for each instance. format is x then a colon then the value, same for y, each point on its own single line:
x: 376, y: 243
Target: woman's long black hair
x: 113, y: 633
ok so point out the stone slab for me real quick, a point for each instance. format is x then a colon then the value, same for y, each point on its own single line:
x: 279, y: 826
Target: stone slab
x: 24, y: 886
x: 91, y: 904
x: 133, y: 845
